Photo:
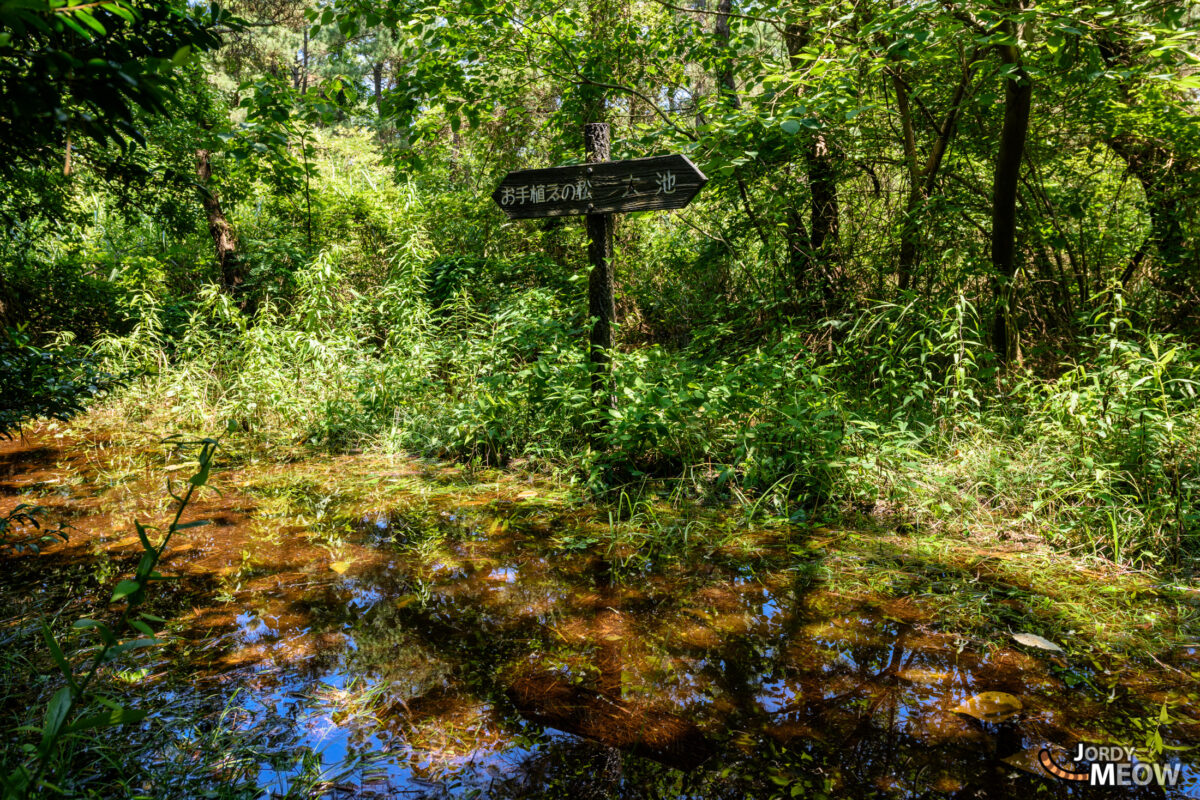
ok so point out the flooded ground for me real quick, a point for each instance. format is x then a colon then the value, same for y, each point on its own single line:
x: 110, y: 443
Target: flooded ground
x: 434, y: 634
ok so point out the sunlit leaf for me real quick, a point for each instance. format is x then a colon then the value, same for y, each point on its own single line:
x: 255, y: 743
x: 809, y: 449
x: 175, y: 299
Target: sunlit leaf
x: 1033, y: 640
x: 989, y: 706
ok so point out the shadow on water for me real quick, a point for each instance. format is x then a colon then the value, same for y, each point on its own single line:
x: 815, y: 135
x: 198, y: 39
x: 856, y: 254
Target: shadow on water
x: 472, y: 653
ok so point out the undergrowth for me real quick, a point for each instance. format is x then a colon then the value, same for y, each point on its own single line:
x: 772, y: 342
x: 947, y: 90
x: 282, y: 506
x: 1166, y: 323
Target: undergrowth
x: 904, y: 415
x: 403, y: 330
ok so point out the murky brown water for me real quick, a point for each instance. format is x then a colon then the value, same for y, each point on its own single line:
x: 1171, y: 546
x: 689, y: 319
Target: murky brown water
x: 469, y: 652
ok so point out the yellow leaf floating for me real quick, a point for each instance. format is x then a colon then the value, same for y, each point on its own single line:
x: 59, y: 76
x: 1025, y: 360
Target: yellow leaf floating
x: 1033, y: 640
x: 989, y: 706
x: 340, y: 566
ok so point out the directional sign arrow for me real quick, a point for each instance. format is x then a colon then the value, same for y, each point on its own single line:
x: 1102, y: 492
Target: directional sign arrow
x: 608, y: 187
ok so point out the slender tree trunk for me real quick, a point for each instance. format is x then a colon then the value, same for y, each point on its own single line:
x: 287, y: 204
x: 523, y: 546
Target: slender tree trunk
x: 922, y: 178
x: 826, y: 213
x: 1167, y: 177
x: 1018, y: 96
x: 377, y: 76
x: 1164, y: 180
x: 224, y: 240
x: 800, y: 250
x: 823, y: 249
x: 304, y: 64
x: 725, y: 79
x: 729, y: 95
x: 601, y: 293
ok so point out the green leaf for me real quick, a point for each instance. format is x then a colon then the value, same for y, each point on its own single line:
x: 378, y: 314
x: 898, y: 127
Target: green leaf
x: 134, y: 644
x: 790, y: 126
x: 59, y: 658
x: 106, y: 635
x: 141, y: 532
x: 56, y: 714
x: 75, y: 26
x: 141, y: 627
x: 146, y: 564
x: 124, y: 589
x: 119, y: 10
x: 117, y: 716
x: 201, y: 477
x: 92, y: 22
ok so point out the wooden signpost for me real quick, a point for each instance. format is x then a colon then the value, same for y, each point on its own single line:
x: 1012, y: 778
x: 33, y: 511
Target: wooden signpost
x: 660, y: 183
x: 599, y: 189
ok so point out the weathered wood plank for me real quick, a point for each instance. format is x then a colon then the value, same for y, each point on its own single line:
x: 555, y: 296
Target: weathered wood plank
x: 659, y: 183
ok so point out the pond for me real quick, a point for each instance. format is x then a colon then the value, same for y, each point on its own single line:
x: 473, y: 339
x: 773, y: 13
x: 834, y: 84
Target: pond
x: 494, y: 645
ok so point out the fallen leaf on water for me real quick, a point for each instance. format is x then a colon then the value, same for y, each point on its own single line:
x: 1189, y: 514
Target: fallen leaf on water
x: 989, y: 706
x: 1033, y: 640
x: 340, y: 566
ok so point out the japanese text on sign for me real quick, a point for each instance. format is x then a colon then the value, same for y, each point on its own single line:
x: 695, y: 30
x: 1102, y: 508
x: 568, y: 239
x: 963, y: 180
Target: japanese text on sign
x: 545, y: 193
x: 663, y: 183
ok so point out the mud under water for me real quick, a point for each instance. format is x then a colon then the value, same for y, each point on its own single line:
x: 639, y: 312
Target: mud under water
x: 469, y: 653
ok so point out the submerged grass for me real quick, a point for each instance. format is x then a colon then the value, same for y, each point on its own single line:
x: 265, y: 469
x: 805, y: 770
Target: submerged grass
x: 982, y: 571
x: 316, y: 516
x: 1090, y: 608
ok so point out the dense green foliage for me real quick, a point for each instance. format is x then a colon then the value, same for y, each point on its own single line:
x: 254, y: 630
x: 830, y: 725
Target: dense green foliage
x: 87, y: 68
x: 55, y: 382
x: 826, y: 327
x: 945, y: 275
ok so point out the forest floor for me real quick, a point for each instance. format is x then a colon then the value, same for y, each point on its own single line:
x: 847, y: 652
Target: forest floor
x: 364, y: 625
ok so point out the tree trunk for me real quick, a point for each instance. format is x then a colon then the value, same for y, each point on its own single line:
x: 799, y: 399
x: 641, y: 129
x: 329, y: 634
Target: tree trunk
x: 1165, y: 179
x: 1018, y: 95
x: 826, y: 214
x: 377, y: 76
x: 800, y: 251
x: 922, y: 179
x: 725, y: 79
x: 224, y: 240
x: 601, y: 280
x: 727, y: 86
x: 1166, y: 176
x: 823, y: 249
x: 304, y: 64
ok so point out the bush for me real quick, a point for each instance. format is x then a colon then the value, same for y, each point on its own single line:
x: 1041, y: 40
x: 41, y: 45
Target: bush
x: 60, y: 296
x: 54, y: 382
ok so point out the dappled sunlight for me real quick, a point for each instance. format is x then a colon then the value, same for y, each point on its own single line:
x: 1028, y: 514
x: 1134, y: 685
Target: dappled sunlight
x: 447, y: 640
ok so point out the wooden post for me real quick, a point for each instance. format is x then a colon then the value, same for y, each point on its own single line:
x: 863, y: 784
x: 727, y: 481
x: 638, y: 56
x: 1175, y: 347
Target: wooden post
x: 601, y: 303
x: 596, y: 190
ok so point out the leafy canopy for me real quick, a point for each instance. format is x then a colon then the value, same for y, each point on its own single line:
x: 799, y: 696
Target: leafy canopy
x: 87, y: 68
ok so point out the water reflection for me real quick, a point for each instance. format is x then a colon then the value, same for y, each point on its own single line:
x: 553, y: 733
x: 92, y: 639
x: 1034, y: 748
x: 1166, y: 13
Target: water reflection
x: 494, y: 666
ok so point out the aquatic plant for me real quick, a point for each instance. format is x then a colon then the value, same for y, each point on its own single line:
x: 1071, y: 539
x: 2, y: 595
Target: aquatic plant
x: 64, y: 717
